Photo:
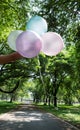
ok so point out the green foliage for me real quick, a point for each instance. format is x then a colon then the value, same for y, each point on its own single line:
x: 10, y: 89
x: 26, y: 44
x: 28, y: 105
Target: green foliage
x: 77, y: 51
x: 13, y: 16
x: 58, y: 13
x: 48, y: 75
x: 6, y: 106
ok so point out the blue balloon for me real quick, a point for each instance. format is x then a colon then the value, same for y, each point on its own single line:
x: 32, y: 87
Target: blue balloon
x: 37, y: 24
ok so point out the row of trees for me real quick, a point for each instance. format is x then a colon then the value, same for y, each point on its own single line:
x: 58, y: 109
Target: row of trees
x: 50, y: 79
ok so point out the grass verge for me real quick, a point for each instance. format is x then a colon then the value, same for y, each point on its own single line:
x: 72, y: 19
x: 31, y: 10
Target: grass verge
x: 7, y: 106
x: 70, y: 114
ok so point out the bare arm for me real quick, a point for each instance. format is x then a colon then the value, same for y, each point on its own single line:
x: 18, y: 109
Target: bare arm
x: 4, y: 59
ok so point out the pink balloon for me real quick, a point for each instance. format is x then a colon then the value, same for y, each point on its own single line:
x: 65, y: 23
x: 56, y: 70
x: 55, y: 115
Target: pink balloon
x: 52, y: 43
x: 28, y: 44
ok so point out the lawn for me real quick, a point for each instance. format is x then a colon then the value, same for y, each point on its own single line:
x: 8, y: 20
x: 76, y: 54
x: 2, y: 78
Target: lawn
x: 70, y: 114
x: 7, y: 106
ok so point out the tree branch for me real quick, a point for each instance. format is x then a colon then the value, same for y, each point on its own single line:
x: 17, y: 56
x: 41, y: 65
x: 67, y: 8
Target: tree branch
x: 14, y: 89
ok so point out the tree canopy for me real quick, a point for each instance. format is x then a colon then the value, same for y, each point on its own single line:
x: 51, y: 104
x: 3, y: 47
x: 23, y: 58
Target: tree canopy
x: 54, y: 78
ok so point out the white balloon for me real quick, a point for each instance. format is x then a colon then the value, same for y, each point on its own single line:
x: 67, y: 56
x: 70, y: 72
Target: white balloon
x: 12, y: 39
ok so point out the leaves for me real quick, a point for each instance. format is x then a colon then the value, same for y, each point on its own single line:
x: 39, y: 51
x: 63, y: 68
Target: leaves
x: 43, y: 75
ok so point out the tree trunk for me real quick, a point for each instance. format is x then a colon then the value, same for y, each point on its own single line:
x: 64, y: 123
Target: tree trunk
x: 22, y: 99
x: 11, y: 97
x: 55, y: 89
x: 55, y: 101
x: 45, y: 100
x: 49, y: 101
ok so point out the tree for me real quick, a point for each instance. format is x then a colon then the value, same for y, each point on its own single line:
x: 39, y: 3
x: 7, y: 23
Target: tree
x: 47, y: 70
x: 10, y: 19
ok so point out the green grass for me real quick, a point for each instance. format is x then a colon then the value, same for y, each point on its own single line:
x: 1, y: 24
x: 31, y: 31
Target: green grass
x: 7, y: 106
x: 70, y: 114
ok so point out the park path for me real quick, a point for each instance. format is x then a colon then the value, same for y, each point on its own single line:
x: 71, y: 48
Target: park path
x: 28, y: 117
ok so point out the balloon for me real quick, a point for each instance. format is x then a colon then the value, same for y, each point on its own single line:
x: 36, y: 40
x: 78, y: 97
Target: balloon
x: 12, y: 39
x: 52, y: 43
x: 37, y: 24
x: 28, y: 44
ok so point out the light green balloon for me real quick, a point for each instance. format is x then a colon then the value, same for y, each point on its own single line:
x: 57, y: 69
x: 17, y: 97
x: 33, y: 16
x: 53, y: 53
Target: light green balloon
x: 37, y: 24
x: 12, y: 39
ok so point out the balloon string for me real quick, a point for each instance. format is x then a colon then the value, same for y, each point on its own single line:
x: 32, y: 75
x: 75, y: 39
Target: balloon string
x: 40, y: 71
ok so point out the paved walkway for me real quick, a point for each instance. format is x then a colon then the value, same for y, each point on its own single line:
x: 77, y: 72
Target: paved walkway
x: 28, y: 117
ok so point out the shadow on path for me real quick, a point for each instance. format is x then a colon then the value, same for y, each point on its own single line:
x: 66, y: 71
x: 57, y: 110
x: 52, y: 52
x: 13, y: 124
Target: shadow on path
x: 27, y: 117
